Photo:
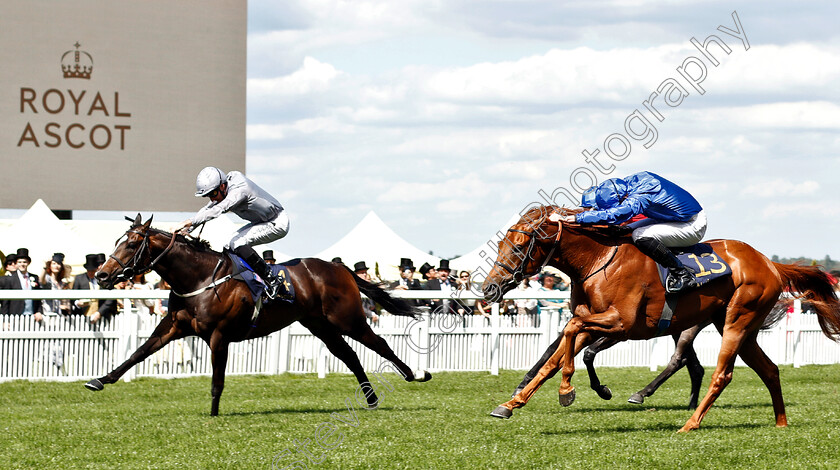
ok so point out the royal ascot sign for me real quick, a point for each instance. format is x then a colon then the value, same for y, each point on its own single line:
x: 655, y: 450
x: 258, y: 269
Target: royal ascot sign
x: 64, y: 104
x: 117, y: 105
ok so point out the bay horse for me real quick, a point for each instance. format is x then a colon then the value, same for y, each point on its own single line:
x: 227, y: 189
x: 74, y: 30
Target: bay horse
x: 617, y: 293
x: 327, y: 302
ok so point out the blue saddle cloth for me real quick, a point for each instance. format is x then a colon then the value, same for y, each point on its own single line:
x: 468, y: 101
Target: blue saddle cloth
x: 256, y: 285
x: 701, y: 259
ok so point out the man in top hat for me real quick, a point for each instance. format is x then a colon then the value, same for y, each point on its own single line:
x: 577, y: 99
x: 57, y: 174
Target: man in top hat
x: 368, y: 305
x: 268, y: 256
x: 429, y: 272
x: 442, y: 282
x: 337, y: 259
x: 94, y: 309
x: 407, y: 281
x: 21, y: 279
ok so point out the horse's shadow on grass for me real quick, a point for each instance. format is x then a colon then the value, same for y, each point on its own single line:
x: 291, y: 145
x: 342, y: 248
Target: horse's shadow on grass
x: 283, y: 411
x: 649, y: 427
x: 648, y: 407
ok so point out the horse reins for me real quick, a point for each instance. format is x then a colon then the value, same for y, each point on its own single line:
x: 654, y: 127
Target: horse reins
x: 519, y: 272
x: 131, y: 271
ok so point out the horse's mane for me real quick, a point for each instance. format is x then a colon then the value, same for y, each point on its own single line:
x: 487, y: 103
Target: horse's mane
x: 611, y: 232
x: 196, y: 244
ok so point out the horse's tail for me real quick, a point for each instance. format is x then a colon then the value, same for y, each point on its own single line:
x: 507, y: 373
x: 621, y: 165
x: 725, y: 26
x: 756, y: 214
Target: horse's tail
x: 393, y: 305
x: 815, y: 286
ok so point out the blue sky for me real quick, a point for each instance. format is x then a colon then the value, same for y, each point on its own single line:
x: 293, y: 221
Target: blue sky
x: 447, y: 117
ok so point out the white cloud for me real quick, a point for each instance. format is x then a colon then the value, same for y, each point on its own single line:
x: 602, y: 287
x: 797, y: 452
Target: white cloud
x: 312, y: 77
x: 781, y: 187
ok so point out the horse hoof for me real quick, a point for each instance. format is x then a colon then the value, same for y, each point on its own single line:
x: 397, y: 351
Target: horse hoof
x: 422, y: 376
x: 502, y: 412
x: 568, y: 398
x: 636, y: 399
x: 94, y: 385
x: 604, y: 392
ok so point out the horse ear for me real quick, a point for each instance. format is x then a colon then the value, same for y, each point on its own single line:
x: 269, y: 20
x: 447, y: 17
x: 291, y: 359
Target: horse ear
x: 149, y: 222
x: 138, y: 220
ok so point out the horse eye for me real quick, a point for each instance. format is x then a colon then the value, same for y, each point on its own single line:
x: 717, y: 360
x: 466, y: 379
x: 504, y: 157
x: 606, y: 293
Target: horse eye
x: 131, y: 245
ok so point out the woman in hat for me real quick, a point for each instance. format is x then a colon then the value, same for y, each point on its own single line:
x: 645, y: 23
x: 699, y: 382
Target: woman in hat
x: 54, y: 277
x: 267, y: 221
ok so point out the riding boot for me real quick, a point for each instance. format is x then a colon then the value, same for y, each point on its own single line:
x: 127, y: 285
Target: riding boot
x: 274, y: 285
x: 680, y: 278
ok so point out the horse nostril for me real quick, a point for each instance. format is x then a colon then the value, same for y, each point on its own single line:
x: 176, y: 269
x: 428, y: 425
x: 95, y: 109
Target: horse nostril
x: 101, y: 275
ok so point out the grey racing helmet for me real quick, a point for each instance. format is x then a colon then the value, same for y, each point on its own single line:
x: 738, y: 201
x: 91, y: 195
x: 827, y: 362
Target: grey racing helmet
x: 208, y: 179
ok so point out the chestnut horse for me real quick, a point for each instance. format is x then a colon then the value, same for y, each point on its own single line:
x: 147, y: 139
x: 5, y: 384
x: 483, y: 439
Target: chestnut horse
x: 617, y: 294
x: 220, y: 311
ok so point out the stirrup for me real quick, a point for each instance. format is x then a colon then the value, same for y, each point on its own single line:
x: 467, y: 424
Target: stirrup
x: 274, y: 289
x: 272, y: 286
x: 680, y: 280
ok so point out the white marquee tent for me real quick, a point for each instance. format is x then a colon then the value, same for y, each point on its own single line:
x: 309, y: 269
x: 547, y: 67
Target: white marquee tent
x: 43, y: 234
x: 374, y: 242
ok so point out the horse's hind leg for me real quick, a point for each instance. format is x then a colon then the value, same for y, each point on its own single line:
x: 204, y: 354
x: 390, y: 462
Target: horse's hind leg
x: 684, y: 355
x: 362, y: 333
x: 166, y: 331
x: 339, y: 348
x: 732, y: 338
x: 754, y: 357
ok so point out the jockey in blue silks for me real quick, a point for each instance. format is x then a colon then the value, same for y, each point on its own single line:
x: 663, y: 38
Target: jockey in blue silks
x: 674, y: 219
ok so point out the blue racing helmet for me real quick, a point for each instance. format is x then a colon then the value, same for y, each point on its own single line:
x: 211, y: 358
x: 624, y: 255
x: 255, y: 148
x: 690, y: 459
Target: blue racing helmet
x: 610, y: 193
x: 587, y: 199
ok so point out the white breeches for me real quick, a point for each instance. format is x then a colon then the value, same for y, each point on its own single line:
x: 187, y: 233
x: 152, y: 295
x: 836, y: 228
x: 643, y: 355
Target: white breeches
x: 259, y: 234
x: 672, y: 234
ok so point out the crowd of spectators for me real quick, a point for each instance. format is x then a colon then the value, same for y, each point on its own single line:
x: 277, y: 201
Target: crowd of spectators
x: 55, y: 275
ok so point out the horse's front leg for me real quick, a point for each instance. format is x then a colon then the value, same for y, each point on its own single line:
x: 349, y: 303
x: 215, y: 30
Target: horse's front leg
x: 547, y: 371
x: 219, y: 355
x: 577, y: 335
x: 167, y: 330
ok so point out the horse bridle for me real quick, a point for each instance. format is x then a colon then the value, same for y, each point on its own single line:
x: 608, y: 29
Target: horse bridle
x: 519, y: 272
x: 129, y: 272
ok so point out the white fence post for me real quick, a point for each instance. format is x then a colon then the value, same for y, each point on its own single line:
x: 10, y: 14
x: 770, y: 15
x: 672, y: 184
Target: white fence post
x: 128, y: 339
x: 283, y: 346
x: 321, y: 362
x: 796, y: 331
x: 495, y: 340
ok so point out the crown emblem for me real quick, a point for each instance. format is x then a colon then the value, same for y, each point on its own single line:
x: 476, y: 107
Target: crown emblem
x: 77, y: 64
